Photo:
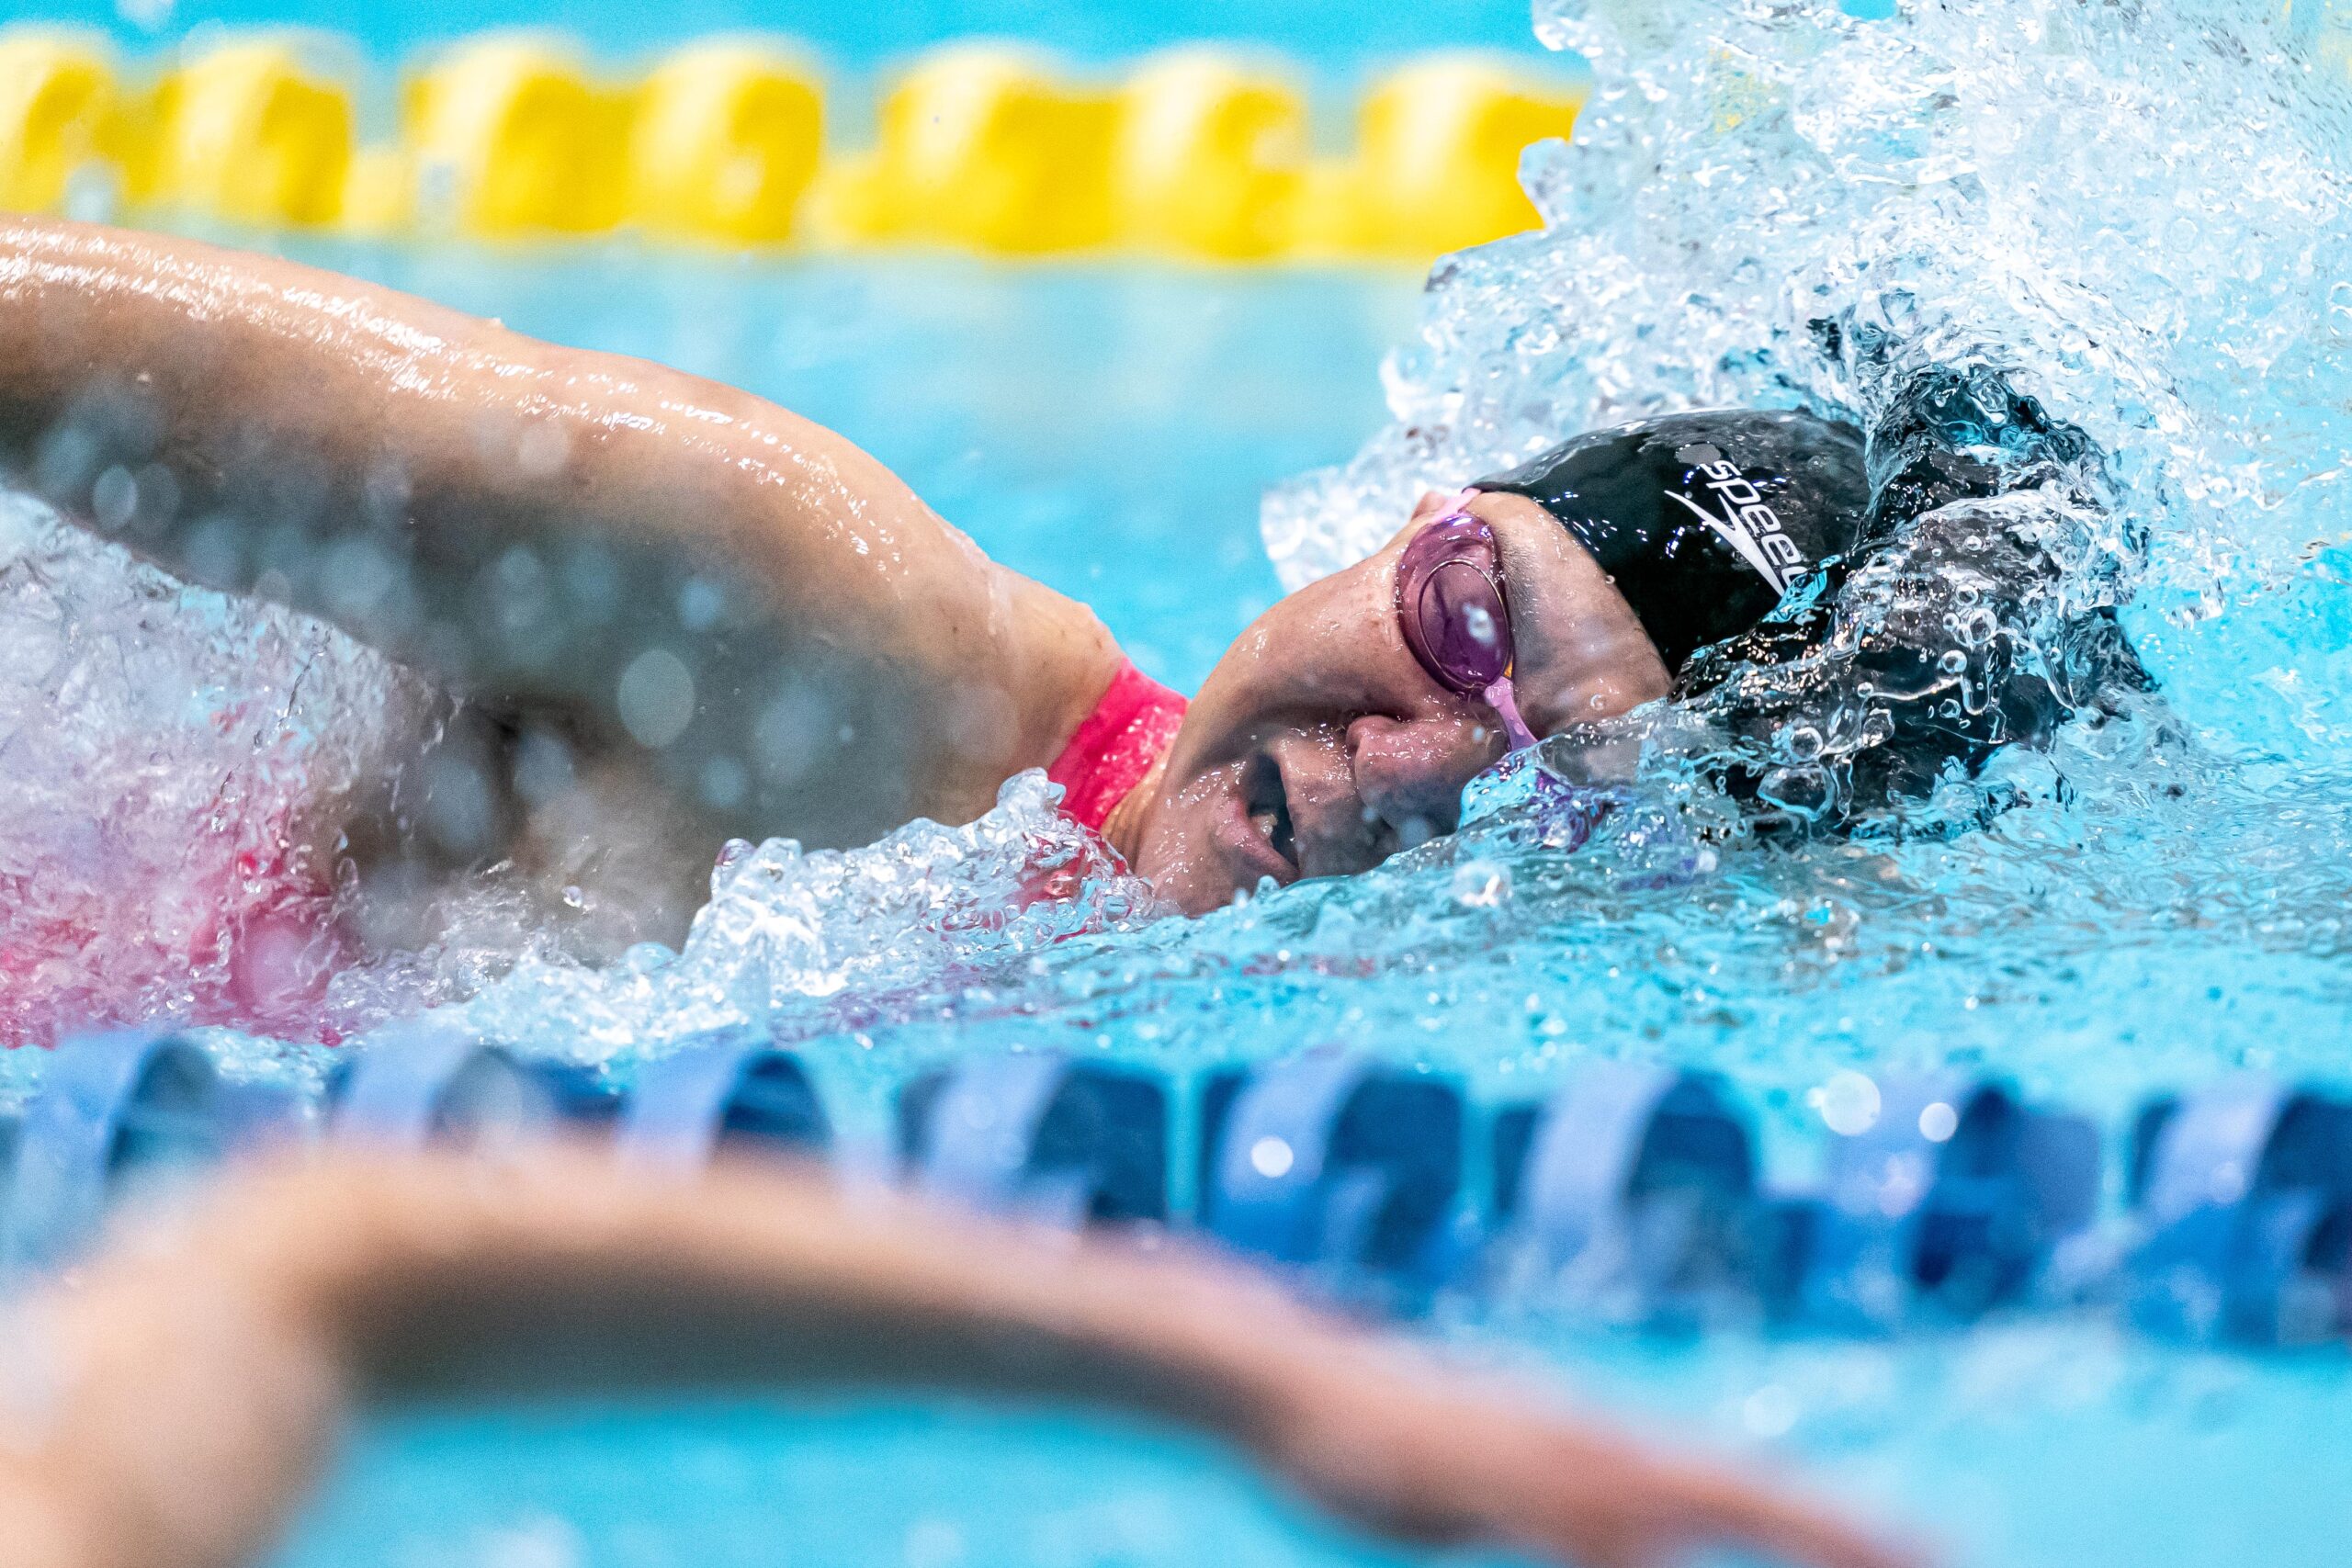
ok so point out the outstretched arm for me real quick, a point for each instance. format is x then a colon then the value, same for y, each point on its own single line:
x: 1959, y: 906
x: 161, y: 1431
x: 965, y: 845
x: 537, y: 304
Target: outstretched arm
x: 190, y: 1385
x: 526, y: 520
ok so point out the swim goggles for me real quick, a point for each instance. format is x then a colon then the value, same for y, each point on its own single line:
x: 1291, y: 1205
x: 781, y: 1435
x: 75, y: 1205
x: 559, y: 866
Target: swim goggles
x: 1455, y: 614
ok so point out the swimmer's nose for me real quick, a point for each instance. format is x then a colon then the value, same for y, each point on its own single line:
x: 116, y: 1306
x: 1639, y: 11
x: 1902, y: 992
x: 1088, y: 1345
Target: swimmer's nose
x: 1410, y: 772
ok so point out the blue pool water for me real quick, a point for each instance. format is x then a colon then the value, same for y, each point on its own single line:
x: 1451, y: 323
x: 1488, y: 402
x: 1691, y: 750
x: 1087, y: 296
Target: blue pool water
x: 733, y: 1486
x: 2023, y: 1449
x: 2139, y: 212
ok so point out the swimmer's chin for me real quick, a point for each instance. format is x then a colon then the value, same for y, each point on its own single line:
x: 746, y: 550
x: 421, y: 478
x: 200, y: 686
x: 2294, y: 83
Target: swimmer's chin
x: 1199, y: 847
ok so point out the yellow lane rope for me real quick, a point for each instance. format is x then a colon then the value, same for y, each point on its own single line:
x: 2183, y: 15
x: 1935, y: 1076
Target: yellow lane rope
x: 1199, y: 151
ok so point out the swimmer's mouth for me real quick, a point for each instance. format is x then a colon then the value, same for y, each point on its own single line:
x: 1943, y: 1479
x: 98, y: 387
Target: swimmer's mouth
x: 1267, y: 803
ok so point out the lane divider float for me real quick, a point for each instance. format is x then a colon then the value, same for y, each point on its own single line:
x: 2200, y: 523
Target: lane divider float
x: 1633, y: 1193
x: 1334, y: 1162
x: 1199, y: 151
x: 1039, y: 1134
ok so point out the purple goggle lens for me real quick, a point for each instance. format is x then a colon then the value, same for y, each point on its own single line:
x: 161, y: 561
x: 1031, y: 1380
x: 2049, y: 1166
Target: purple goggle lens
x: 1450, y: 603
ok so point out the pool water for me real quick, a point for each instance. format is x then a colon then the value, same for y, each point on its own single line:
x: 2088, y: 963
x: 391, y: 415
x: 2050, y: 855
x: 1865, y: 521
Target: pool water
x: 733, y: 1486
x: 2025, y: 1448
x: 2138, y: 212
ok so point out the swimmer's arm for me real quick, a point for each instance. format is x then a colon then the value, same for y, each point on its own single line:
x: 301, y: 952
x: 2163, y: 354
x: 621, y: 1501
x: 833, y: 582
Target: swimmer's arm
x: 183, y: 1393
x: 305, y: 410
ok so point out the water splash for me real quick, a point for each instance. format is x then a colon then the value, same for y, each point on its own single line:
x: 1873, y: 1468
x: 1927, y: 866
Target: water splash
x: 175, y: 850
x: 174, y: 770
x: 2137, y: 211
x: 830, y: 940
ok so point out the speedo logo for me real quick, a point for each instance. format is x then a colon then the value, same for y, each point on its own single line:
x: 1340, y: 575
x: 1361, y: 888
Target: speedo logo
x: 1747, y: 525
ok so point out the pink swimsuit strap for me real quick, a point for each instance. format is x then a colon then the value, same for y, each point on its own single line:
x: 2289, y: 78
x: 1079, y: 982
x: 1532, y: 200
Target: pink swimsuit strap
x: 1115, y: 745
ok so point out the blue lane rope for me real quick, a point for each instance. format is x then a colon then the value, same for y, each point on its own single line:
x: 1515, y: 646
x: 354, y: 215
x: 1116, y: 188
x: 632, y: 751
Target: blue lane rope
x: 1334, y: 1160
x: 1632, y: 1192
x: 116, y: 1112
x: 2243, y: 1193
x: 425, y: 1084
x: 1955, y: 1196
x: 1037, y: 1133
x: 731, y: 1091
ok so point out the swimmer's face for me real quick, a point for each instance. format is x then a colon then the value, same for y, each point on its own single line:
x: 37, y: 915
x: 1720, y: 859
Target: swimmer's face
x: 1320, y: 746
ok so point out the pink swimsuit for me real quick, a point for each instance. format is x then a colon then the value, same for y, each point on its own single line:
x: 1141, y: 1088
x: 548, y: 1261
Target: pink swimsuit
x: 1116, y: 745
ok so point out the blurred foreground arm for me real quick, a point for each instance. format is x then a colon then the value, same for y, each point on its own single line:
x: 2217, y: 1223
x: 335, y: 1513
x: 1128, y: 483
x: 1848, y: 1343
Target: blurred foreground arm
x: 167, y: 1408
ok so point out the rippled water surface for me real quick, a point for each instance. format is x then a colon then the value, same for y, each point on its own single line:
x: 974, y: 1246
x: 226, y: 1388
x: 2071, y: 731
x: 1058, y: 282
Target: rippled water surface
x: 2138, y: 212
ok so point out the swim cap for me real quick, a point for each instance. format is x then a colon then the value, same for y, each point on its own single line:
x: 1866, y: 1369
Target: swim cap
x: 1704, y: 521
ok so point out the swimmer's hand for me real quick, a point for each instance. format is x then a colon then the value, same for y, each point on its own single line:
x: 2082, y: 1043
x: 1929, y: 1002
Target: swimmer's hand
x: 1446, y: 1465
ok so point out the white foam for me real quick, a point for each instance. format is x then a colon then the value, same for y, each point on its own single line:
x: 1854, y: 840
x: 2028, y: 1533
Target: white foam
x: 175, y: 768
x: 2139, y: 210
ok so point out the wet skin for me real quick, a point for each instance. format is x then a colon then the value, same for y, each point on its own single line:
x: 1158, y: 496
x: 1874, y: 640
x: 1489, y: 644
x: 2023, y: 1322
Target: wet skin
x: 1320, y: 746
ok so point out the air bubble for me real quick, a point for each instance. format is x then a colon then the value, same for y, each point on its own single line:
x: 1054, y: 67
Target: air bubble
x: 656, y: 698
x: 1272, y: 1158
x: 114, y: 499
x: 1847, y: 1104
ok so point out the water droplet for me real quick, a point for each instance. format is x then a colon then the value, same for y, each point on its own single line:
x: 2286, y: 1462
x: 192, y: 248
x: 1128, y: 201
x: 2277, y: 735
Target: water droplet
x: 1769, y: 1412
x: 1481, y: 884
x: 725, y: 783
x: 1272, y: 1158
x: 1849, y: 1103
x: 701, y: 603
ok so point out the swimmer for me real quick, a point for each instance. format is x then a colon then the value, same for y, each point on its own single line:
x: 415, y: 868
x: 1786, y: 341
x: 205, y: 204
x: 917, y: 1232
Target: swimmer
x: 167, y: 1406
x: 677, y: 614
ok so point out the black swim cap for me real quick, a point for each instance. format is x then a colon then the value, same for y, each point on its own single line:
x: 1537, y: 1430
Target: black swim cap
x: 1704, y: 521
